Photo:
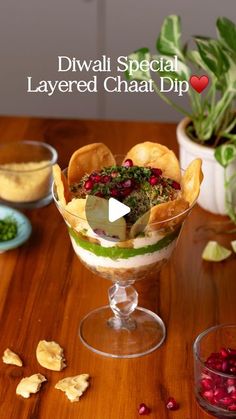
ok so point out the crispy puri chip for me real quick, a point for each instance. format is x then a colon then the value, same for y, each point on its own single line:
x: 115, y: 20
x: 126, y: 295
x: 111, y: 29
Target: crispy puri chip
x: 75, y: 215
x: 50, y: 355
x: 160, y: 216
x: 73, y: 387
x: 156, y: 156
x: 191, y: 181
x: 87, y: 159
x: 10, y: 357
x: 63, y: 192
x: 30, y: 385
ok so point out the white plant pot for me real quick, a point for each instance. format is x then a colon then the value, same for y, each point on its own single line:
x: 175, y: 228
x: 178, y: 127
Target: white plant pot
x: 212, y: 195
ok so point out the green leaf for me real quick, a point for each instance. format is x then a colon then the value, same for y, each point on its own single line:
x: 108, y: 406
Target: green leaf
x: 227, y: 32
x: 196, y: 59
x: 225, y: 154
x: 168, y: 42
x: 212, y: 54
x: 139, y: 56
x: 230, y: 75
x: 230, y: 197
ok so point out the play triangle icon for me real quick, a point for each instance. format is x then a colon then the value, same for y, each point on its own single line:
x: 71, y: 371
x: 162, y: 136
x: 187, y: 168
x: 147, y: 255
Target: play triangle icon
x: 116, y: 210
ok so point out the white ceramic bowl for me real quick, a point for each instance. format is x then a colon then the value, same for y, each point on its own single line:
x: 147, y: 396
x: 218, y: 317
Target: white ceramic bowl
x: 23, y: 228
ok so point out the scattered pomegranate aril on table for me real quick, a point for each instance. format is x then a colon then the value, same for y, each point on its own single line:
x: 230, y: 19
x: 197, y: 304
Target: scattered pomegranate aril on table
x: 144, y: 409
x: 172, y: 404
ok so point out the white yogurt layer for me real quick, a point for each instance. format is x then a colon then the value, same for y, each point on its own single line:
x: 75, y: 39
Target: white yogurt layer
x: 132, y: 262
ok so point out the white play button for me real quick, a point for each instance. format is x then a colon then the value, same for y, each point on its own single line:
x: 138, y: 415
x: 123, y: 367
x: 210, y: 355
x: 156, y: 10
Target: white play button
x: 116, y: 210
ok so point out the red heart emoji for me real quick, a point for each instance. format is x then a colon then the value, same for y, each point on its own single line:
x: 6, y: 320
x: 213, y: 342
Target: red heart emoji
x: 199, y: 83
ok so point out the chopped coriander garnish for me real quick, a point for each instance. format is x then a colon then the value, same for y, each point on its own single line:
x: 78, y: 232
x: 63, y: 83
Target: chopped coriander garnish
x: 8, y: 229
x: 138, y: 187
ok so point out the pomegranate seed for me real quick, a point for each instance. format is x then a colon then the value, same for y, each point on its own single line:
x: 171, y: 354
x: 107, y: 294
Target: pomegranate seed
x: 224, y: 353
x: 231, y: 390
x: 233, y: 370
x: 128, y: 163
x: 114, y: 192
x: 97, y: 178
x: 232, y: 351
x: 153, y: 180
x: 232, y: 407
x: 88, y: 185
x: 176, y: 185
x: 226, y: 401
x: 219, y: 393
x: 207, y: 383
x: 208, y: 395
x: 224, y: 366
x: 157, y: 172
x: 231, y: 382
x: 143, y: 409
x: 125, y: 192
x: 114, y: 174
x: 105, y: 179
x: 218, y: 381
x: 233, y: 395
x: 218, y: 366
x: 127, y: 183
x: 172, y: 404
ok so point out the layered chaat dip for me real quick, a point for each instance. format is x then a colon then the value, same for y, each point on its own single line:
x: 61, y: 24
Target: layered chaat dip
x: 149, y: 182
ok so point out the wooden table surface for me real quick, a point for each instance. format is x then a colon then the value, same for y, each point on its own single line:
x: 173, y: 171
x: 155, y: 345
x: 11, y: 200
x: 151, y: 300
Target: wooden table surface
x: 45, y: 291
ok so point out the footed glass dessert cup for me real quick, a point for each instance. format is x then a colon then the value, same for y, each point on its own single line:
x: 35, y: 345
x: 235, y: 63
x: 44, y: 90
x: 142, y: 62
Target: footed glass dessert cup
x: 215, y: 370
x: 122, y: 329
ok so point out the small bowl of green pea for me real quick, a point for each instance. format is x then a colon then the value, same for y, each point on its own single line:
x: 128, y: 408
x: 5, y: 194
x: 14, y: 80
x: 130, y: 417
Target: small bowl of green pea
x: 15, y: 228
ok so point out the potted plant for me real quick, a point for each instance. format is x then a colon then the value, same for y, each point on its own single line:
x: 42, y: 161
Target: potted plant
x: 209, y: 127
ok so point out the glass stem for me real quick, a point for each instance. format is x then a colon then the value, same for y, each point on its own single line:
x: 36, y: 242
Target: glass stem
x: 123, y: 300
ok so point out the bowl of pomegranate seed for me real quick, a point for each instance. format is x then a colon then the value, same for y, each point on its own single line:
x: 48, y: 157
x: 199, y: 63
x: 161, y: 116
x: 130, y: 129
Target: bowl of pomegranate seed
x: 215, y: 370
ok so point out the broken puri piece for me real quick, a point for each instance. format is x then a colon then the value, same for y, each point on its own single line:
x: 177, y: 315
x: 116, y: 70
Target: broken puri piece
x: 50, y: 355
x: 73, y: 387
x: 10, y: 357
x: 30, y: 385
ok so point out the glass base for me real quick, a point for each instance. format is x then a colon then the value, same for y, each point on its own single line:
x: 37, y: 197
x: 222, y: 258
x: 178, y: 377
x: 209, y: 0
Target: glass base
x: 215, y: 411
x: 104, y: 334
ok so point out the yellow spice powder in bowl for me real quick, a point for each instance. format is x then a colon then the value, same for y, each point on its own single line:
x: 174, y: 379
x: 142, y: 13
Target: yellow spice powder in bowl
x: 26, y: 173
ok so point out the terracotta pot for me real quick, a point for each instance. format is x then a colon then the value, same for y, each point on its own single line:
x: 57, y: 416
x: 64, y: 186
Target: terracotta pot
x: 212, y: 195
